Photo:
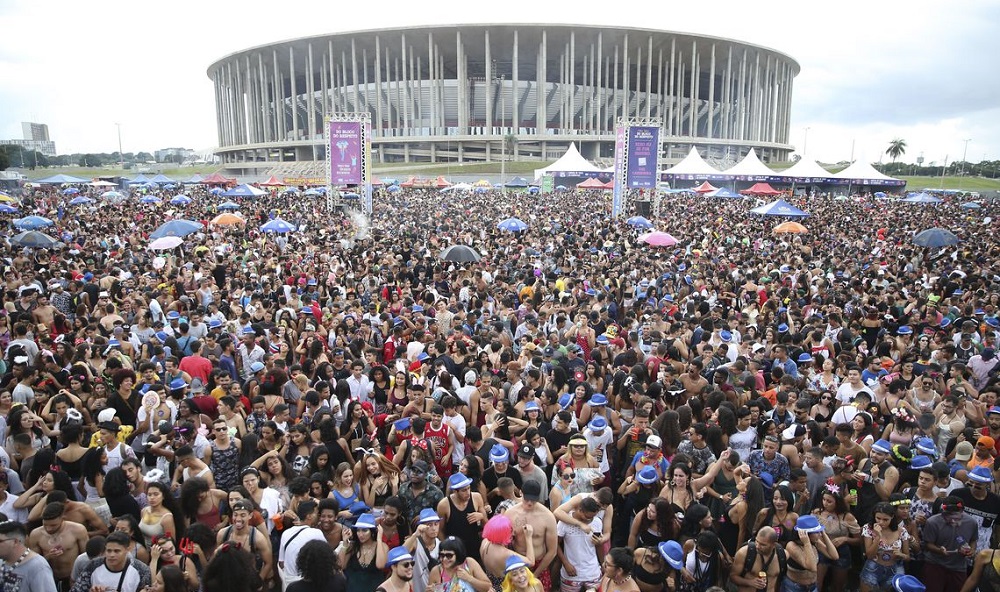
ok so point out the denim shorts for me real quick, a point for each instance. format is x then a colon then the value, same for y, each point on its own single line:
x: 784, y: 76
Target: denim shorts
x: 877, y: 575
x: 788, y: 585
x: 844, y: 561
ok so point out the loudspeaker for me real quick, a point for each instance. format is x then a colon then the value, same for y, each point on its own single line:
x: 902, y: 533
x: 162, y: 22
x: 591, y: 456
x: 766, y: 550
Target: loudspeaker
x: 643, y: 207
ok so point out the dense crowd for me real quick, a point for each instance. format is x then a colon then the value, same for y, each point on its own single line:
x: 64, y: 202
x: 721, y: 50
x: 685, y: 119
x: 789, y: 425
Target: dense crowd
x: 338, y: 406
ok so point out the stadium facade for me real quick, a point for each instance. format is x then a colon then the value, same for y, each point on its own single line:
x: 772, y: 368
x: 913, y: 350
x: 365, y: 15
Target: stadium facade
x: 467, y: 93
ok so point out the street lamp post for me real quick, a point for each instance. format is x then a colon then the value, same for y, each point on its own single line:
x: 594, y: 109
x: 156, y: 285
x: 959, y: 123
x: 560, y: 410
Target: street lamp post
x: 121, y: 155
x: 965, y: 152
x: 805, y: 142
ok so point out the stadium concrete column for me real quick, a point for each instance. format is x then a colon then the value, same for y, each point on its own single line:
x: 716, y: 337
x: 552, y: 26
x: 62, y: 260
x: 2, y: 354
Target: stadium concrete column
x: 463, y: 90
x: 649, y: 78
x: 693, y: 90
x: 294, y: 94
x: 490, y: 127
x: 515, y: 76
x: 277, y: 90
x: 711, y: 96
x: 661, y: 88
x: 377, y: 129
x: 541, y: 113
x: 670, y: 89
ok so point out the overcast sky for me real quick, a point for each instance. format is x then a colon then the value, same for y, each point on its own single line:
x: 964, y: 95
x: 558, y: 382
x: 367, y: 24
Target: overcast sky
x: 924, y: 71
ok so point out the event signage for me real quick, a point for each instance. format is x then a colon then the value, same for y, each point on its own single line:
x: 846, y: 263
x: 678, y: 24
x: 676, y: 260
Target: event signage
x: 345, y: 153
x: 616, y: 194
x: 643, y: 157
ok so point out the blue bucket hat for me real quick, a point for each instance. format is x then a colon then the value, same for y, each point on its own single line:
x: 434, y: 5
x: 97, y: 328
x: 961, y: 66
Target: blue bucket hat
x: 499, y: 454
x: 673, y: 553
x: 647, y: 476
x: 883, y: 446
x: 396, y: 555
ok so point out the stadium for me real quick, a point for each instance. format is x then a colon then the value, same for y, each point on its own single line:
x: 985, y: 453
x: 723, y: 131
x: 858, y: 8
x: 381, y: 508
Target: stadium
x: 478, y: 93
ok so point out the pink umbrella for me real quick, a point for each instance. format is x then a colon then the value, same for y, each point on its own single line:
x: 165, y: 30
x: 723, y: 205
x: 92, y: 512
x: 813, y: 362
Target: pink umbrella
x: 658, y: 239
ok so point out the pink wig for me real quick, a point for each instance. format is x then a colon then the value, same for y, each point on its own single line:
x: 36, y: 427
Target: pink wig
x: 499, y: 530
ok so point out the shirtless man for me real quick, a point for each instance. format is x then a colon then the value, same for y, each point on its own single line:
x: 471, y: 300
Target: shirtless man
x: 59, y: 541
x: 543, y: 536
x: 44, y: 313
x: 77, y: 512
x: 240, y: 533
x: 766, y: 561
x: 692, y: 380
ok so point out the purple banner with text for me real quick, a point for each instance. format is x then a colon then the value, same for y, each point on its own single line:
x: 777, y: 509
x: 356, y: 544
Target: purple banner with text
x: 643, y: 157
x: 345, y: 153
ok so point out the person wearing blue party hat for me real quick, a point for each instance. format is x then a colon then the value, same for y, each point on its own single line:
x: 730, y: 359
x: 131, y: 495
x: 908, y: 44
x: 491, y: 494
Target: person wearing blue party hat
x: 518, y: 577
x: 981, y: 504
x: 399, y: 562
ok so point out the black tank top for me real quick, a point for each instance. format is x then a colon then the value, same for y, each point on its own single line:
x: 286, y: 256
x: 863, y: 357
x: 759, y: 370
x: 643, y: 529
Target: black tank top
x: 458, y: 526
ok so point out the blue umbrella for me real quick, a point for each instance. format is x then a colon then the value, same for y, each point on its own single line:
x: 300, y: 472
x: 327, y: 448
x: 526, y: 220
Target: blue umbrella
x: 639, y: 222
x: 112, y: 195
x: 169, y: 186
x: 971, y: 205
x: 277, y: 225
x: 34, y: 239
x: 291, y: 190
x: 6, y: 209
x: 879, y: 194
x: 311, y: 192
x: 149, y: 199
x: 394, y: 189
x: 229, y: 206
x: 216, y: 191
x: 70, y: 191
x: 33, y: 222
x: 181, y: 200
x: 83, y: 199
x: 924, y: 198
x: 533, y: 190
x: 513, y: 225
x: 178, y: 228
x: 351, y: 196
x: 935, y: 237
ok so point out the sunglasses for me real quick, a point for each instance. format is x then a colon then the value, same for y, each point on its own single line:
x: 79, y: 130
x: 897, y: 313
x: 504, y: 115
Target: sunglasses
x: 222, y: 429
x: 569, y: 476
x: 446, y: 555
x: 406, y: 564
x: 826, y: 398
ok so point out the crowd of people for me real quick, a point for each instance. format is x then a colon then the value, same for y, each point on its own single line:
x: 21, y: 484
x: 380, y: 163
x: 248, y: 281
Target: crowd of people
x: 338, y: 406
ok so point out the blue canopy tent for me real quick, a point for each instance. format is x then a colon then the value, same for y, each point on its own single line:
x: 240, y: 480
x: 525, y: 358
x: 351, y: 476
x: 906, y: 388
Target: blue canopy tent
x: 922, y: 198
x: 724, y: 193
x: 60, y: 179
x: 194, y: 180
x: 244, y: 190
x: 517, y: 183
x: 779, y: 208
x: 139, y: 180
x: 162, y: 179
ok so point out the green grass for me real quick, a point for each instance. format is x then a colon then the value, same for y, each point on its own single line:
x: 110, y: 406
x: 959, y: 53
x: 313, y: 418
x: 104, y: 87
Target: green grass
x: 482, y: 168
x: 170, y: 170
x: 962, y: 183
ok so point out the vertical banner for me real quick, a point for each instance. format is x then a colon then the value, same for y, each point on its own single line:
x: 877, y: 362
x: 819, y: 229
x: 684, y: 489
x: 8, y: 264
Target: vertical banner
x: 548, y: 184
x: 367, y: 166
x: 618, y: 191
x: 345, y: 153
x: 643, y: 157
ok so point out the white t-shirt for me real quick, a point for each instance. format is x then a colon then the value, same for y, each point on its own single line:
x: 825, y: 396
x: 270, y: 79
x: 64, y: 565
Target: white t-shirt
x: 458, y: 426
x: 846, y: 393
x: 580, y: 551
x: 604, y: 441
x: 288, y: 552
x: 103, y: 576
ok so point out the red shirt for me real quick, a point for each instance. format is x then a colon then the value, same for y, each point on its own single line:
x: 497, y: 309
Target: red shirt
x: 196, y: 367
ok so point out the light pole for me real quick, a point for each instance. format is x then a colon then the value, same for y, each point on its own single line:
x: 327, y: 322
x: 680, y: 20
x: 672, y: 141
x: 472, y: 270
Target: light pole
x: 965, y: 152
x: 121, y: 155
x: 805, y: 142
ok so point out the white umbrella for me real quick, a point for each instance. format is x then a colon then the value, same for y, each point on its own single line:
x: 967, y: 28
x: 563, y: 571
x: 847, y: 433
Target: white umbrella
x: 165, y: 243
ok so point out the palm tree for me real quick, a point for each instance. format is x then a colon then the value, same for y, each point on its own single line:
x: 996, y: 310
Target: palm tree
x: 896, y: 149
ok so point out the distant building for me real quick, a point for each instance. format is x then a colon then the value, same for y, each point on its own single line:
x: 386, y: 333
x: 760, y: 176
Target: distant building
x: 171, y: 154
x: 35, y: 131
x: 46, y: 147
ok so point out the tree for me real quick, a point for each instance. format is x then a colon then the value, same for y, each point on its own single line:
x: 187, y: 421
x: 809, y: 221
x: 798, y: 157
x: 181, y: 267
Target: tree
x: 896, y: 149
x: 510, y: 143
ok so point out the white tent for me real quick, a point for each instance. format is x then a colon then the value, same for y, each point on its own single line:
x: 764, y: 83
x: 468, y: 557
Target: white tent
x: 457, y: 187
x: 692, y: 164
x: 862, y: 170
x: 806, y: 167
x: 102, y: 184
x: 570, y: 162
x: 750, y: 166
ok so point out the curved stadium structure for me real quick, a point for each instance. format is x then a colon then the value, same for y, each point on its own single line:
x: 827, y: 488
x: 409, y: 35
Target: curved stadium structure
x: 466, y: 93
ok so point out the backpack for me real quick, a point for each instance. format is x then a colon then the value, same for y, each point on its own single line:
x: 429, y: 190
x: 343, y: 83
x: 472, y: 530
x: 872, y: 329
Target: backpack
x: 752, y: 557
